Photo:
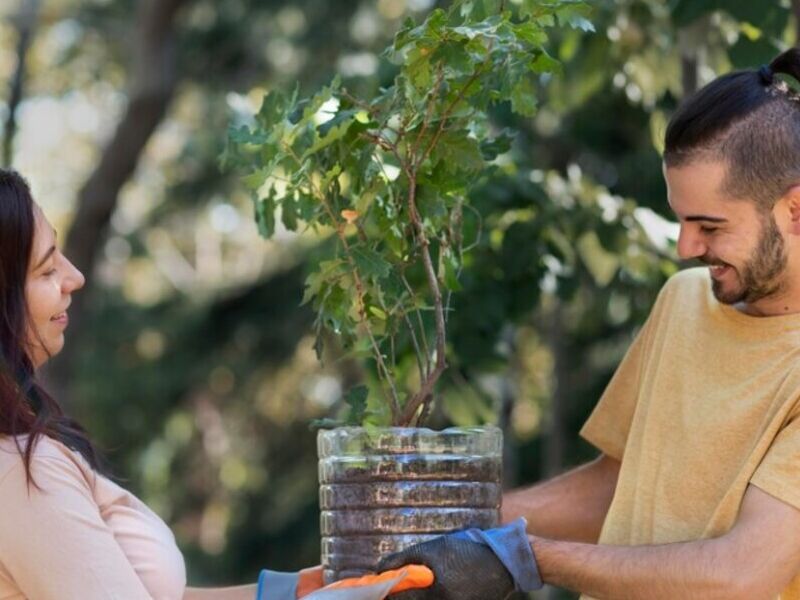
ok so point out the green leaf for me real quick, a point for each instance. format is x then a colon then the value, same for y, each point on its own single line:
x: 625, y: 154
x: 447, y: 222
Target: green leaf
x: 289, y: 213
x: 256, y: 179
x: 523, y: 97
x: 531, y: 33
x: 455, y: 59
x: 356, y: 399
x: 265, y: 215
x: 273, y: 108
x: 379, y: 313
x: 451, y: 267
x: 544, y: 63
x: 244, y: 135
x: 370, y: 263
x: 459, y: 151
x: 575, y: 15
x: 499, y: 144
x: 330, y: 175
x: 332, y: 131
x: 539, y: 12
x: 419, y: 70
x: 405, y: 35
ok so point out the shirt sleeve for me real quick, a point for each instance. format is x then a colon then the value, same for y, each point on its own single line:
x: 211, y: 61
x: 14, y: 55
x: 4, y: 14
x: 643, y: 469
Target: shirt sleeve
x: 778, y: 474
x: 609, y: 424
x: 53, y: 541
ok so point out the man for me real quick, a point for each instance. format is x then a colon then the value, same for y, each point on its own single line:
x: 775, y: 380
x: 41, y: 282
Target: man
x: 697, y: 491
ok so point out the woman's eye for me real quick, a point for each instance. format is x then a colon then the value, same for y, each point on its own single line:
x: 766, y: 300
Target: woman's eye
x: 708, y: 229
x: 50, y: 273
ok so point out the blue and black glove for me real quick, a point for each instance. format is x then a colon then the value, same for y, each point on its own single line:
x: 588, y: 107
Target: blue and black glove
x: 473, y: 564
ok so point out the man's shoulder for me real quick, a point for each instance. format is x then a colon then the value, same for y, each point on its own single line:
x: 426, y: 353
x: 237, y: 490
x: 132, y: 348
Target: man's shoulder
x: 695, y: 278
x: 688, y: 289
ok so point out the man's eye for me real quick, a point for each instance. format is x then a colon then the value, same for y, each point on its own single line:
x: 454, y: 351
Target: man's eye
x: 705, y: 229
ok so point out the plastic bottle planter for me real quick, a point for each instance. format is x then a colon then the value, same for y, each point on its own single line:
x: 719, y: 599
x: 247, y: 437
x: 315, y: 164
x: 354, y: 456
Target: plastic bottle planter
x: 382, y: 490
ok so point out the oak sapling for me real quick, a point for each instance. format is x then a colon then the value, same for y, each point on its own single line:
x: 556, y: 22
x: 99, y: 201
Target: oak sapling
x: 388, y: 176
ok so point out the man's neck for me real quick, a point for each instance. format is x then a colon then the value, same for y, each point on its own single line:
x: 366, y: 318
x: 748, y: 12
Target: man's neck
x: 783, y: 304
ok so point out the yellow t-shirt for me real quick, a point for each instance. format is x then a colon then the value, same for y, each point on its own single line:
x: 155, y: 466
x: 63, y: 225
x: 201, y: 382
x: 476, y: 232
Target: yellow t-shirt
x: 706, y: 401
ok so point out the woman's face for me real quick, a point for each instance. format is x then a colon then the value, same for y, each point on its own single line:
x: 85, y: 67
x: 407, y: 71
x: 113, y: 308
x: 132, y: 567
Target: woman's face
x: 48, y: 291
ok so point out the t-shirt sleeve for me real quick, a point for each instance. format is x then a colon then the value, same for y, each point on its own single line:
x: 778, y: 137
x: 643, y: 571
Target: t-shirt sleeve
x: 53, y: 541
x: 778, y: 473
x: 608, y: 426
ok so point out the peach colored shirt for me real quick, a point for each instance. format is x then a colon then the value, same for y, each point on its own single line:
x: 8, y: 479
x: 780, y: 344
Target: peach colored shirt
x: 81, y: 535
x: 705, y: 403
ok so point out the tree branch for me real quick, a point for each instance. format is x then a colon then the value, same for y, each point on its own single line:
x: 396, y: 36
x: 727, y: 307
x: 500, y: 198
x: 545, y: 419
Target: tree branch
x: 26, y: 24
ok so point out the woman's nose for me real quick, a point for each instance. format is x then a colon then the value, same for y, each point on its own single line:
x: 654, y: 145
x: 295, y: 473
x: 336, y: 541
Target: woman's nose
x: 74, y: 279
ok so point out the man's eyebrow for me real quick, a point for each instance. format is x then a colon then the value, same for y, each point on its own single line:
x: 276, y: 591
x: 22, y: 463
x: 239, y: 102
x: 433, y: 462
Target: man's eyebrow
x: 695, y: 218
x: 47, y: 254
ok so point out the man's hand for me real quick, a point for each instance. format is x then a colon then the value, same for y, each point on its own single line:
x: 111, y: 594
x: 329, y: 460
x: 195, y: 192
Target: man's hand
x: 474, y: 564
x: 463, y: 570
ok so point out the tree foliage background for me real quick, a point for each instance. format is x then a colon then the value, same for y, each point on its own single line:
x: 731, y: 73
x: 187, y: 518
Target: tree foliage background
x: 190, y: 358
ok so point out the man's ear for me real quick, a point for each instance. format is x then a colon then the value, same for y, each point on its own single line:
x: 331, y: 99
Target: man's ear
x: 791, y: 200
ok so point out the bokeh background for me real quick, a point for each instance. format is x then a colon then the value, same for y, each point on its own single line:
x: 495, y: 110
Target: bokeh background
x: 189, y: 357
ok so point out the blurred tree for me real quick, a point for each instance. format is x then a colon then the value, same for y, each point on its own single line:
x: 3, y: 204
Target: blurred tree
x: 195, y: 366
x: 154, y: 78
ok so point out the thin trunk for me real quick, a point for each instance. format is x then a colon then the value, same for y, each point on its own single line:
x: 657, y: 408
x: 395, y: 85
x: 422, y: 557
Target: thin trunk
x: 508, y: 395
x: 26, y: 24
x: 553, y: 459
x: 154, y: 78
x: 692, y: 43
x: 689, y: 78
x: 796, y: 13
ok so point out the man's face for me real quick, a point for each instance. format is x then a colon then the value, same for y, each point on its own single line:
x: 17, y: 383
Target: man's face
x: 743, y: 247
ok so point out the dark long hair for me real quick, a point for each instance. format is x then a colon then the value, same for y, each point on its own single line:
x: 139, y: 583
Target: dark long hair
x: 25, y: 407
x: 750, y: 120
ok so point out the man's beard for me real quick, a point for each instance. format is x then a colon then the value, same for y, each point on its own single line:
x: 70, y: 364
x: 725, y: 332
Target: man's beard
x: 762, y: 274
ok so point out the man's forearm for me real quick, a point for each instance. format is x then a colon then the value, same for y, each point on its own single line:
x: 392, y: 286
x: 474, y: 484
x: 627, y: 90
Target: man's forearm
x: 702, y: 570
x: 571, y: 506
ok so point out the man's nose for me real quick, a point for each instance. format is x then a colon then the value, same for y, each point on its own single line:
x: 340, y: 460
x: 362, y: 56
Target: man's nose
x: 690, y: 244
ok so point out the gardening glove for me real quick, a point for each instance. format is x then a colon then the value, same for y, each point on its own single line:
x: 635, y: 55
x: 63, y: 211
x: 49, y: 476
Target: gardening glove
x: 377, y: 587
x: 273, y: 585
x: 308, y: 585
x: 473, y: 564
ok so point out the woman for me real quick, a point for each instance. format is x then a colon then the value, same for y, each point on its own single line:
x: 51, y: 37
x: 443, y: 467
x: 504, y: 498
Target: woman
x: 66, y: 530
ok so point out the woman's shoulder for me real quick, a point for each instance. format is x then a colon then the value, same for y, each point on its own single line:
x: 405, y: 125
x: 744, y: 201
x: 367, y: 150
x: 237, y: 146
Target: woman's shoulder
x: 49, y: 456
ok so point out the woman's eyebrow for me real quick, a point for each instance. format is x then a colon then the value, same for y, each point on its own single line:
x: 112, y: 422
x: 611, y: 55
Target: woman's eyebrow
x: 45, y: 257
x: 48, y: 253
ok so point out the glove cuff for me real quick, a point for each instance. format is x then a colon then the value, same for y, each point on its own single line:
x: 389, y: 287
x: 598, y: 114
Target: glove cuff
x: 273, y: 585
x: 511, y: 546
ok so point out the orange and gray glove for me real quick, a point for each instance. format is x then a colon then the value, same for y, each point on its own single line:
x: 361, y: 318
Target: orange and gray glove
x: 308, y: 584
